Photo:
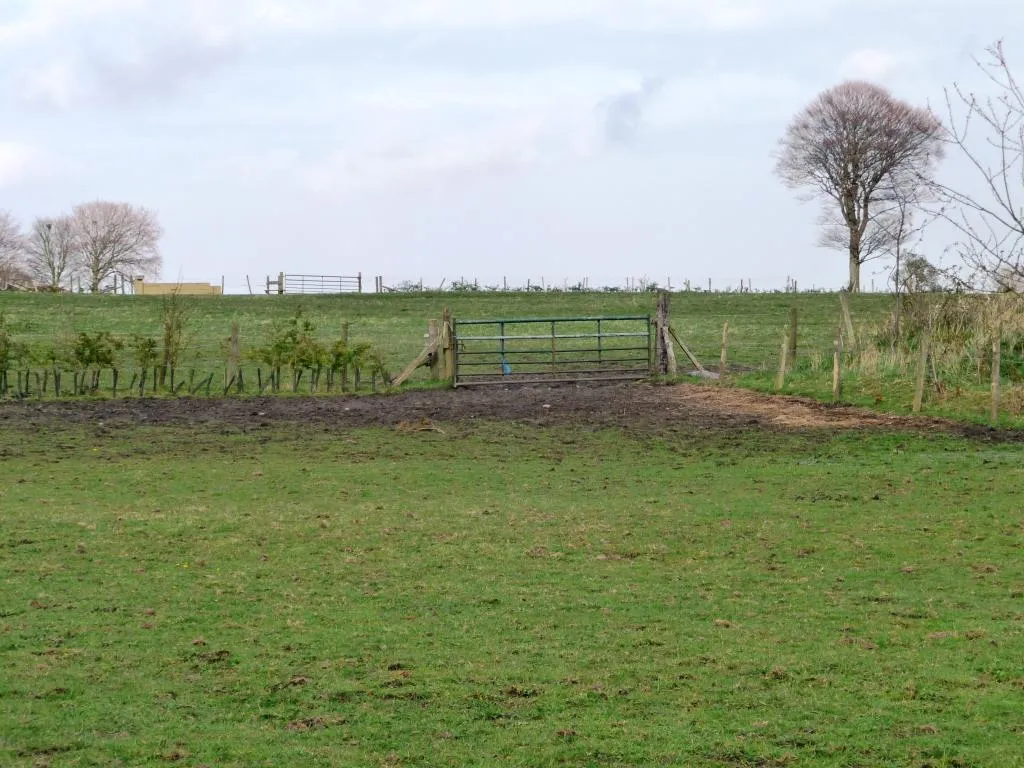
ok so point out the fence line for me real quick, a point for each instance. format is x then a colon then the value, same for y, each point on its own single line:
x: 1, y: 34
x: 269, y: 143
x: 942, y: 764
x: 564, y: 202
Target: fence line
x: 963, y: 361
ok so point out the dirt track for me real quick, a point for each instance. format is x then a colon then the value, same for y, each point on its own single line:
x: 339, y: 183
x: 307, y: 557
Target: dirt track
x: 683, y: 407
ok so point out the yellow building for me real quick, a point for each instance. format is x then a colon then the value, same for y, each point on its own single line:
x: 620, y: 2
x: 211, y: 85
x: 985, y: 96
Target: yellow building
x: 142, y: 288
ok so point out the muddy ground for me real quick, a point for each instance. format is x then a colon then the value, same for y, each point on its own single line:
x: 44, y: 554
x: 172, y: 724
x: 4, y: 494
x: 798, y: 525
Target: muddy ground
x: 681, y: 407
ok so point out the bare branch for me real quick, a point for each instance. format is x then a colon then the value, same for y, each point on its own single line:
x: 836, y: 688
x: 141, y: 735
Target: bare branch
x: 988, y: 132
x: 12, y: 248
x: 116, y: 239
x: 51, y: 251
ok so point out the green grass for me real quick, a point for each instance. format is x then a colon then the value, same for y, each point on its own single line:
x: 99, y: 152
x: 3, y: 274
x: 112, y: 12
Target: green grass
x: 397, y: 323
x: 498, y: 595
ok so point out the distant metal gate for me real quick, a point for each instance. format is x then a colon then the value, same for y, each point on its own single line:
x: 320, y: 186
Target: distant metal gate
x: 552, y: 349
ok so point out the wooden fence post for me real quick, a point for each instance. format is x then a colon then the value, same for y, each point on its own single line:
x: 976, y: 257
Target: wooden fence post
x: 837, y: 369
x: 234, y: 354
x: 280, y: 283
x: 793, y: 319
x: 344, y: 367
x: 780, y: 380
x: 235, y: 358
x: 922, y: 371
x: 997, y: 355
x: 723, y: 361
x: 844, y: 304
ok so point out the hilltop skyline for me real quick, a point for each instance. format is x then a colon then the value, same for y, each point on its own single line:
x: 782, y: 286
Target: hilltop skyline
x: 556, y: 140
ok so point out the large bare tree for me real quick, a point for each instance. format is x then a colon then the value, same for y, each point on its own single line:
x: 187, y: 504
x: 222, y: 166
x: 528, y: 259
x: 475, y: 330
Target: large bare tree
x: 11, y: 249
x: 51, y: 251
x: 116, y: 239
x: 988, y: 132
x: 851, y: 147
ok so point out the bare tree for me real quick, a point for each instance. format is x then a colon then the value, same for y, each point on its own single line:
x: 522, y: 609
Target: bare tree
x: 11, y: 249
x: 988, y: 131
x: 51, y: 251
x: 116, y: 239
x: 850, y: 148
x: 901, y: 224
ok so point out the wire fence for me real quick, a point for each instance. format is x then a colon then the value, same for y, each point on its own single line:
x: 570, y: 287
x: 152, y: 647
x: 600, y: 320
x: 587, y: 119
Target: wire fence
x: 253, y: 285
x: 225, y: 344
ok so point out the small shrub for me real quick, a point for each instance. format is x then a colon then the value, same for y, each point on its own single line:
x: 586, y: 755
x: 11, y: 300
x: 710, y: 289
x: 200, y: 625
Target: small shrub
x: 12, y: 353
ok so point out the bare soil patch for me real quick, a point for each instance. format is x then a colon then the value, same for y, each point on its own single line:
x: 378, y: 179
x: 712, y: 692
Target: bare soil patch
x: 643, y: 406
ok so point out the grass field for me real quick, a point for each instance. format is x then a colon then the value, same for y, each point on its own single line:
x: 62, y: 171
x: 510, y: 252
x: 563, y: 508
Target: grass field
x: 493, y: 594
x: 395, y: 324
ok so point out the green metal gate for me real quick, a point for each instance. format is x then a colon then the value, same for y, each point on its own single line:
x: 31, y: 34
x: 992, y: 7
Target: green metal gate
x: 552, y: 349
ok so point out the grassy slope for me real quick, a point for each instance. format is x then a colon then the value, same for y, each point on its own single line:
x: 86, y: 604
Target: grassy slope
x: 503, y: 595
x: 397, y: 323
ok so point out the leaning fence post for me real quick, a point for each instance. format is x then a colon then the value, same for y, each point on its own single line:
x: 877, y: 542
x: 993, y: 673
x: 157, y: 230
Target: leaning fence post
x: 780, y: 380
x: 997, y: 354
x: 723, y: 361
x: 434, y: 340
x: 922, y: 371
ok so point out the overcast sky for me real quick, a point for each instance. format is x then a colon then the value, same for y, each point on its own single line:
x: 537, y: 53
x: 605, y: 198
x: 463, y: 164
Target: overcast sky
x: 444, y: 138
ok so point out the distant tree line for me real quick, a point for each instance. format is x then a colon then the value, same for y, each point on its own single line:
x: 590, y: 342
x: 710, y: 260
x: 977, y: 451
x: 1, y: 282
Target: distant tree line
x: 94, y: 244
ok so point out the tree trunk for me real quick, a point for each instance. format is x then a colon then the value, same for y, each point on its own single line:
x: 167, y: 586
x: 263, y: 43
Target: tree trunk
x: 854, y: 286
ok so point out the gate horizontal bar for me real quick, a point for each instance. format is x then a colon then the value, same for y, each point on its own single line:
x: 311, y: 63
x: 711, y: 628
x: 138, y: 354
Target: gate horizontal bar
x: 561, y: 363
x: 547, y: 352
x: 511, y: 321
x: 549, y: 380
x: 545, y: 337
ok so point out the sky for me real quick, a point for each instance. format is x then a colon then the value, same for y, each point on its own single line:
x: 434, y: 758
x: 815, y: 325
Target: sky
x: 447, y: 139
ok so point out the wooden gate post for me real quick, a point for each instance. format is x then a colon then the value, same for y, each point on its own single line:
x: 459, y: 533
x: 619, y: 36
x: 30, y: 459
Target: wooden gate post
x: 448, y: 342
x: 666, y: 361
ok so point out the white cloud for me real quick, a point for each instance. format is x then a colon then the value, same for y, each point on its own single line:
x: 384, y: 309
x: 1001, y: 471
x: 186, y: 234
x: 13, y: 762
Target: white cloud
x: 439, y: 158
x: 871, y: 64
x: 611, y: 14
x: 231, y: 17
x: 55, y: 84
x: 60, y: 53
x: 18, y: 162
x: 513, y: 123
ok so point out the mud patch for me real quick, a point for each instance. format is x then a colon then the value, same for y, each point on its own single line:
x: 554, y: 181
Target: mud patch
x: 635, y: 406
